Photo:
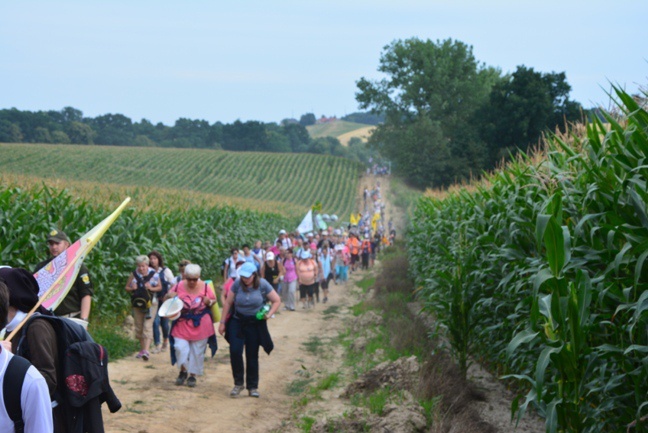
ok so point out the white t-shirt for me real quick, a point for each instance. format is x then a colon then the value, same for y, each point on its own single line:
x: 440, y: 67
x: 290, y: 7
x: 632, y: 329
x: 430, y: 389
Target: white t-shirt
x: 34, y: 400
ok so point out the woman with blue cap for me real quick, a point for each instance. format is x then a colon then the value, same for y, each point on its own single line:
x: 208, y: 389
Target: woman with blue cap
x: 247, y: 326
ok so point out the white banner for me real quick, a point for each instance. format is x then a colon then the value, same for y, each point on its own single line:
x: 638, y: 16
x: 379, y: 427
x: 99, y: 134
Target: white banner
x: 307, y: 223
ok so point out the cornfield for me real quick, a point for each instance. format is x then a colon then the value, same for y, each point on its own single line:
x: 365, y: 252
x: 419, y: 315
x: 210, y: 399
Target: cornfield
x: 539, y: 272
x: 201, y: 235
x: 270, y: 182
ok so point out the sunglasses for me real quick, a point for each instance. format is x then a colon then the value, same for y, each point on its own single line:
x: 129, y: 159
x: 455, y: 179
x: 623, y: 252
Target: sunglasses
x: 193, y: 280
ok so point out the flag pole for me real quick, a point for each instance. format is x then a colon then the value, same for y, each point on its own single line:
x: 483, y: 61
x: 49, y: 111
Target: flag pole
x: 91, y: 238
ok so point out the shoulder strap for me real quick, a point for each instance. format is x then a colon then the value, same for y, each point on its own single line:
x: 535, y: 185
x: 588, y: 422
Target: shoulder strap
x: 12, y: 389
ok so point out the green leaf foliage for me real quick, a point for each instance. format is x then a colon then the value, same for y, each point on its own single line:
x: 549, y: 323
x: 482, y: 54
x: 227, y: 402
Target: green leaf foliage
x: 201, y: 235
x: 551, y: 252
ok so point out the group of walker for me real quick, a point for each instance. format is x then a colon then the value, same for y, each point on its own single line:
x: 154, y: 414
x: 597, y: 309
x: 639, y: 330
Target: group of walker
x: 183, y: 307
x: 188, y: 304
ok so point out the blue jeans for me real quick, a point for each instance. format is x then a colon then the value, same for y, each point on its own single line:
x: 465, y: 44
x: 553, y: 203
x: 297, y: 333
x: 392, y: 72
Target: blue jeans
x: 244, y: 335
x: 157, y: 323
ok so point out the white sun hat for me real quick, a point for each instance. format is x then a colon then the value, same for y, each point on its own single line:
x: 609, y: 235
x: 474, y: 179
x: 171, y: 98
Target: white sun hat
x: 171, y: 308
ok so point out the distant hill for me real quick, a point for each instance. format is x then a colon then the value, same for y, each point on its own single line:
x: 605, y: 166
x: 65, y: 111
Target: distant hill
x: 340, y: 129
x: 288, y: 183
x: 361, y: 133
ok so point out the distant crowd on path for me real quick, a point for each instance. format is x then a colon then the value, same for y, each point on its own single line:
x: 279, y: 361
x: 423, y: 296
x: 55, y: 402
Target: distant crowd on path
x: 296, y: 270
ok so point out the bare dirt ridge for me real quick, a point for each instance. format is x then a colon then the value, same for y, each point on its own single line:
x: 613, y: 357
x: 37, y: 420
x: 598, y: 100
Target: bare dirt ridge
x: 306, y: 351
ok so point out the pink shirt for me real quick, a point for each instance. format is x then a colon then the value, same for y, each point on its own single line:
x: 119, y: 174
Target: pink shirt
x: 193, y: 303
x: 291, y: 274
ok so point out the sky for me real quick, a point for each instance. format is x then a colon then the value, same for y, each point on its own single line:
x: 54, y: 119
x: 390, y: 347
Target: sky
x: 268, y: 60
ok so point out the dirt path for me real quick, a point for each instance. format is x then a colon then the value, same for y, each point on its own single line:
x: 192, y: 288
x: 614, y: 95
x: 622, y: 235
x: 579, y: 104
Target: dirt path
x: 152, y: 402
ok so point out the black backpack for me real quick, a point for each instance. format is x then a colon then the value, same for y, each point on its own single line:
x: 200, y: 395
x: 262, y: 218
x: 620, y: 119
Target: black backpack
x: 165, y: 285
x: 12, y: 390
x: 82, y: 379
x: 141, y: 297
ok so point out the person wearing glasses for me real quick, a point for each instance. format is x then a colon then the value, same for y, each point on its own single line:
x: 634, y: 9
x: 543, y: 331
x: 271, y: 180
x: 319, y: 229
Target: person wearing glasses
x: 191, y: 333
x: 78, y: 301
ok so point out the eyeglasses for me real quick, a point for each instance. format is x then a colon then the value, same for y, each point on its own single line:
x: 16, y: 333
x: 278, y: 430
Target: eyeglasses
x: 193, y: 280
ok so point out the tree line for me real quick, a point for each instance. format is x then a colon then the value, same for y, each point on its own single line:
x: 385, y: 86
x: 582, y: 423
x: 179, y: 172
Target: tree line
x: 69, y: 126
x: 449, y: 117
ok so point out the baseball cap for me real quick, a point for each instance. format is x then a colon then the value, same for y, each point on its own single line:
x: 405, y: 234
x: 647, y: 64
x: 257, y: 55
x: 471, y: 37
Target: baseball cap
x: 270, y: 256
x: 305, y: 254
x: 282, y: 232
x: 247, y: 270
x: 58, y: 236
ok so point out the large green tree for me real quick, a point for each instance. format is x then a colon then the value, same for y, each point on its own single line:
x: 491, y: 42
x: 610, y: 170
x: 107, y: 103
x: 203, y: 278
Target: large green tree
x: 429, y: 98
x: 113, y: 129
x: 521, y: 107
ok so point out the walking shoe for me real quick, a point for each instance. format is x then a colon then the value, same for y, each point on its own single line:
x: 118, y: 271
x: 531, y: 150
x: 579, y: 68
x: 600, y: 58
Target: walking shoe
x: 236, y: 390
x: 140, y: 354
x: 164, y: 346
x: 157, y: 349
x: 254, y: 393
x: 191, y: 382
x: 325, y: 300
x: 181, y: 378
x: 145, y: 355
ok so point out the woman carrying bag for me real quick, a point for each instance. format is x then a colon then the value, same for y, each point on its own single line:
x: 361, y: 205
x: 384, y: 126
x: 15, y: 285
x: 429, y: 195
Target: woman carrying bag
x: 247, y: 326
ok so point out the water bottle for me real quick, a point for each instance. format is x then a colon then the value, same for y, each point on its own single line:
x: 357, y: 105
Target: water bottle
x: 260, y: 315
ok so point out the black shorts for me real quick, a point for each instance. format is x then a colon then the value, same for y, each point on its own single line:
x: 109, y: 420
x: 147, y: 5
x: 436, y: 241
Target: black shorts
x: 307, y: 290
x: 354, y: 259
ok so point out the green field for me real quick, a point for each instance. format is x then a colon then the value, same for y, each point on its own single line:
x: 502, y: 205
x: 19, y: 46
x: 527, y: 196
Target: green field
x: 287, y: 184
x: 540, y: 270
x: 334, y: 129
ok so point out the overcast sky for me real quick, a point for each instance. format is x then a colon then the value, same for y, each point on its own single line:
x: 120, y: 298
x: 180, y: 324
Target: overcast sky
x: 267, y: 59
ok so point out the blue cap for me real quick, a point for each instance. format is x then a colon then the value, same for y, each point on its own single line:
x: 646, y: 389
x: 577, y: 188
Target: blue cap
x: 306, y: 254
x: 247, y: 270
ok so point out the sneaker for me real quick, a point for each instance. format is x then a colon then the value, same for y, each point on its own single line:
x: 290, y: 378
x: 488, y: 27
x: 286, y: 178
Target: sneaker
x: 157, y: 349
x: 254, y: 393
x: 191, y: 382
x: 325, y: 300
x: 140, y: 354
x: 146, y: 355
x: 236, y: 390
x: 164, y: 347
x: 181, y: 378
